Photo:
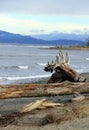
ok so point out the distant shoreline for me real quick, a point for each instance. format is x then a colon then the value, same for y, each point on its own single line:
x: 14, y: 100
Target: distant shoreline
x: 70, y: 47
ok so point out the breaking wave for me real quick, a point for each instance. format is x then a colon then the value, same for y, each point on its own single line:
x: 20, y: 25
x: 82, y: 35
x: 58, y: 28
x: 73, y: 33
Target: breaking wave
x: 87, y: 58
x: 14, y: 67
x: 42, y: 64
x: 23, y: 67
x: 24, y: 77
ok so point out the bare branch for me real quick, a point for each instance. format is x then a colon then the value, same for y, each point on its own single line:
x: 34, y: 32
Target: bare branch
x: 67, y: 58
x: 60, y: 60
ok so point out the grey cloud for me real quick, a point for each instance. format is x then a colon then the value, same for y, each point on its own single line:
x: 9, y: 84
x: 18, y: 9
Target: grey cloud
x: 40, y: 7
x: 37, y: 31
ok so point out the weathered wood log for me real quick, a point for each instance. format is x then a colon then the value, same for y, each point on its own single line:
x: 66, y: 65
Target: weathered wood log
x: 43, y: 103
x: 31, y: 90
x: 42, y: 116
x: 63, y: 71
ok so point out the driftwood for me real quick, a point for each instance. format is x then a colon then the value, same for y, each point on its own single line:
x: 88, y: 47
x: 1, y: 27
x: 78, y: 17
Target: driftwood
x: 43, y: 103
x: 63, y: 71
x: 42, y: 112
x: 39, y: 116
x: 39, y: 104
x: 31, y: 90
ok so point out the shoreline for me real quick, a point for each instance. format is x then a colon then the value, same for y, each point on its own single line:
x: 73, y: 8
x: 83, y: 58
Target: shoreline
x: 13, y: 104
x: 69, y: 47
x: 44, y: 80
x: 8, y: 106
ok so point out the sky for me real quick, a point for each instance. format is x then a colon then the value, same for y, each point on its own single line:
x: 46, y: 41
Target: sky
x: 29, y: 17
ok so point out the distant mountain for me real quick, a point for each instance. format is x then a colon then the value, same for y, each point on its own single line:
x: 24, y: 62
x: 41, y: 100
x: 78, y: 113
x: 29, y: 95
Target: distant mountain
x: 67, y: 36
x: 6, y: 37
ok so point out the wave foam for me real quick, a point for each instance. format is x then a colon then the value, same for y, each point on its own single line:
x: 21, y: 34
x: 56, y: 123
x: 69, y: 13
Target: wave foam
x: 24, y: 77
x: 23, y: 67
x: 14, y: 67
x: 87, y: 58
x: 42, y: 64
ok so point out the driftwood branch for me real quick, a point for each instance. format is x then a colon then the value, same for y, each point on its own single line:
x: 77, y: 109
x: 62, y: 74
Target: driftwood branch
x: 62, y: 69
x: 39, y: 104
x: 31, y: 90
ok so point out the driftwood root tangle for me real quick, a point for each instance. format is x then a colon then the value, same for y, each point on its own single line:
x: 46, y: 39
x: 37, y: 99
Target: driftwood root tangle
x: 63, y: 71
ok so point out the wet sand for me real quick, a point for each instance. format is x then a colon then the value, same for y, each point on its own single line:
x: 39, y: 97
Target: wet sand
x: 82, y: 124
x: 8, y: 106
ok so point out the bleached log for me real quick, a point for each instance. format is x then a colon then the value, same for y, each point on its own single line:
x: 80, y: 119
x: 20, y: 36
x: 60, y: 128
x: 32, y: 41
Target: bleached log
x: 32, y: 90
x: 43, y: 103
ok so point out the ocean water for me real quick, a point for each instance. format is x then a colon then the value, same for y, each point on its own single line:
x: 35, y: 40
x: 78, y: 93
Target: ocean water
x: 25, y: 63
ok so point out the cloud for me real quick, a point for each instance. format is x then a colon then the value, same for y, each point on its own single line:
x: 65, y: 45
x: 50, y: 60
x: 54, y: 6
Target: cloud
x: 29, y: 26
x: 25, y: 26
x: 45, y: 7
x: 37, y: 31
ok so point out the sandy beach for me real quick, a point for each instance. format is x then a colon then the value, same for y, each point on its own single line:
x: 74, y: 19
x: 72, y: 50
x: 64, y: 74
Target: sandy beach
x: 82, y: 124
x: 8, y: 106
